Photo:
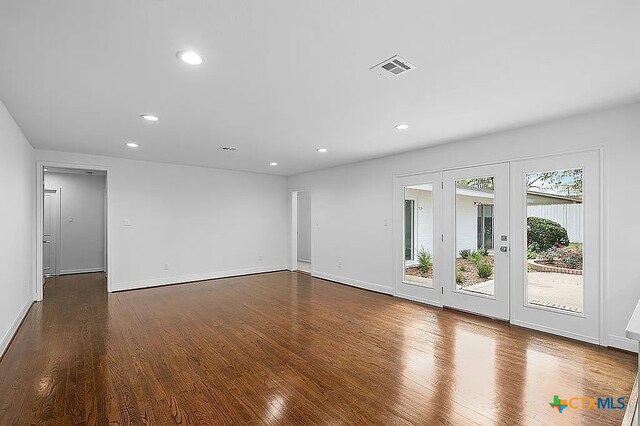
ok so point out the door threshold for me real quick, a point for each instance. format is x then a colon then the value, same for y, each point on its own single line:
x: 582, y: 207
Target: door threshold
x: 449, y: 308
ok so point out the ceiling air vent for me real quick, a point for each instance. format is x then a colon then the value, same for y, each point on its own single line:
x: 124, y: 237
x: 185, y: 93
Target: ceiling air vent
x: 228, y: 148
x: 393, y: 67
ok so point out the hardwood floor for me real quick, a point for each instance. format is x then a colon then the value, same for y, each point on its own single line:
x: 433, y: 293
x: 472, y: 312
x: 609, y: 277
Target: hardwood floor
x: 291, y: 349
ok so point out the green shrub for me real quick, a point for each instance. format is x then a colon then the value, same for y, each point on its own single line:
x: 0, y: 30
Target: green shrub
x: 459, y: 278
x: 533, y: 248
x: 476, y: 257
x: 542, y: 234
x: 425, y: 261
x: 465, y: 253
x: 485, y: 269
x: 462, y: 268
x: 483, y: 252
x: 532, y: 255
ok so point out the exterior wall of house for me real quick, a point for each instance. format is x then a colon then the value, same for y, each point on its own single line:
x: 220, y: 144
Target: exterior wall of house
x: 466, y: 220
x: 423, y: 218
x: 466, y: 223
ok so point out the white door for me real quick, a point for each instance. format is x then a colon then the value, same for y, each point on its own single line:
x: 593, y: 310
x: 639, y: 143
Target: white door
x: 556, y: 270
x: 417, y: 251
x: 50, y: 232
x: 476, y: 240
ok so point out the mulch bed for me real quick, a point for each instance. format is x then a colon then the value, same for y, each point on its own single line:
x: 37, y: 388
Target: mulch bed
x: 470, y: 274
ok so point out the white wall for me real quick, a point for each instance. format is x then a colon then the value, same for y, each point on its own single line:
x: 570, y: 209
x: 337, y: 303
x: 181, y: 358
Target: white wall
x: 16, y: 221
x: 304, y: 226
x: 201, y: 222
x: 352, y: 212
x: 424, y: 218
x: 82, y: 221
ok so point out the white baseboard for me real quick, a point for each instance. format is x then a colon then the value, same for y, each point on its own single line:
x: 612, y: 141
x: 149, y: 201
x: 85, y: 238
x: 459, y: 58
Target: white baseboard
x: 4, y: 344
x: 81, y: 271
x: 155, y: 282
x: 557, y: 332
x: 354, y: 283
x: 621, y: 342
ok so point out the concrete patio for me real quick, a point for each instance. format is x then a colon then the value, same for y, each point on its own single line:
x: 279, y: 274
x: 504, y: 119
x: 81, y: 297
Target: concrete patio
x: 549, y: 289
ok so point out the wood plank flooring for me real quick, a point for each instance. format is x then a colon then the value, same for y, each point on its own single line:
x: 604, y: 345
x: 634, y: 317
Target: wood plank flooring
x: 285, y: 348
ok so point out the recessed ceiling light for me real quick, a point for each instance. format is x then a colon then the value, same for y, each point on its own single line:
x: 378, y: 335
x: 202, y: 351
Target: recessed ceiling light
x: 190, y: 57
x: 150, y: 117
x: 228, y: 148
x: 133, y: 144
x: 273, y: 163
x: 322, y: 150
x: 403, y: 126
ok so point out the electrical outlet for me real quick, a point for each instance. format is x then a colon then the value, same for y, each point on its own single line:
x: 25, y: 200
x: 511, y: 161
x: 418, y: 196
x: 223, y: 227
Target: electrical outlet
x: 339, y: 264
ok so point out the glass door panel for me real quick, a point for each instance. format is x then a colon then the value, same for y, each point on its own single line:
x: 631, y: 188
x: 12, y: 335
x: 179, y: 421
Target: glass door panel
x: 419, y: 246
x: 474, y: 235
x: 475, y: 250
x: 555, y: 205
x: 555, y: 237
x: 419, y: 242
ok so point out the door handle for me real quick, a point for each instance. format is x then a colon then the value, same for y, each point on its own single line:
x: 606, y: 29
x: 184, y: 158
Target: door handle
x: 45, y: 241
x: 504, y: 249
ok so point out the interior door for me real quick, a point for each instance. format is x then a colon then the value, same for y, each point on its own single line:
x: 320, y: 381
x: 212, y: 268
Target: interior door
x: 417, y: 253
x: 50, y: 227
x: 557, y: 244
x: 476, y: 240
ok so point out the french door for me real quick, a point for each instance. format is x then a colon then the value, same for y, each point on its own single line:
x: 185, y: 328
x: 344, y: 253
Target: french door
x: 475, y: 256
x: 517, y: 241
x: 417, y: 254
x: 556, y: 269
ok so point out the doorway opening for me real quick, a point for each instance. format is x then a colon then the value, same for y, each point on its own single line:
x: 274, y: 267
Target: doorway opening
x: 72, y: 231
x: 301, y: 241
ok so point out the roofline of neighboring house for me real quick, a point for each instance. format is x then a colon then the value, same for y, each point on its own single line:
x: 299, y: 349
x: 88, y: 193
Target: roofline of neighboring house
x: 556, y: 196
x: 539, y: 194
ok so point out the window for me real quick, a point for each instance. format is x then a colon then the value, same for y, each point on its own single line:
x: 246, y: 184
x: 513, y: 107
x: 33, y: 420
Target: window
x: 485, y: 226
x: 409, y: 231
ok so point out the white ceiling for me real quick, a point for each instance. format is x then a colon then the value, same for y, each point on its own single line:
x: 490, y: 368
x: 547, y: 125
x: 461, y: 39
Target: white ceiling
x: 284, y: 77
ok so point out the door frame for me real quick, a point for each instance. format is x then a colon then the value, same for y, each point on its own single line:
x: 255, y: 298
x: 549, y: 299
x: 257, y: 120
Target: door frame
x: 294, y: 229
x: 604, y: 240
x: 37, y: 259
